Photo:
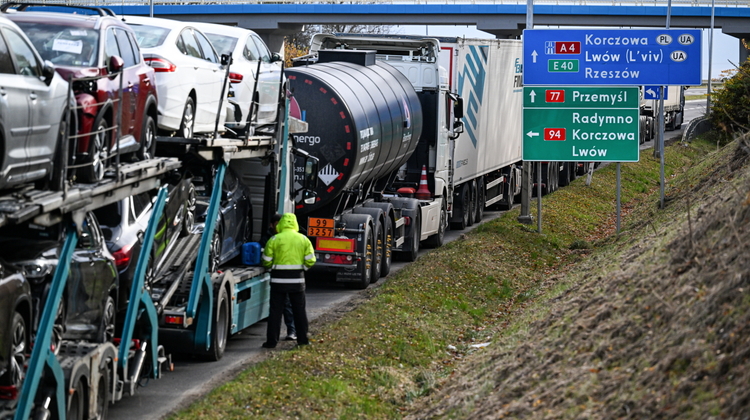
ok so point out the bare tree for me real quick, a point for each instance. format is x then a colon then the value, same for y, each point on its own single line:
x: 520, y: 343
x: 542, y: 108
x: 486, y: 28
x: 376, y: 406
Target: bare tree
x: 299, y: 44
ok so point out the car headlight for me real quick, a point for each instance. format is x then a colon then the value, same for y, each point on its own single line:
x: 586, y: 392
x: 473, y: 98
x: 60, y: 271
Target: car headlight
x: 37, y: 270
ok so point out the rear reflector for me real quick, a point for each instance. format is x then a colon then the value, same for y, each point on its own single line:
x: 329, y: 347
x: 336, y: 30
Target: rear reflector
x: 173, y: 320
x: 335, y: 244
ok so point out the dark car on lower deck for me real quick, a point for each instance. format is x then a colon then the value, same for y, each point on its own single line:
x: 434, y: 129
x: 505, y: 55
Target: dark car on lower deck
x: 88, y: 306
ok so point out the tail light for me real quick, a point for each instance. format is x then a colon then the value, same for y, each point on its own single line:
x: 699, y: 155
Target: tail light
x: 122, y: 256
x: 160, y: 65
x: 235, y: 77
x: 9, y: 392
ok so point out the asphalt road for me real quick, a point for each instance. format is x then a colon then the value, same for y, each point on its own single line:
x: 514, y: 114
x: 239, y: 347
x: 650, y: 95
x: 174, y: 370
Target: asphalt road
x: 193, y: 378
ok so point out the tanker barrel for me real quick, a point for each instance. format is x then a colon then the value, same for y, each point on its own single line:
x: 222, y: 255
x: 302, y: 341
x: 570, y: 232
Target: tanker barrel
x: 364, y: 122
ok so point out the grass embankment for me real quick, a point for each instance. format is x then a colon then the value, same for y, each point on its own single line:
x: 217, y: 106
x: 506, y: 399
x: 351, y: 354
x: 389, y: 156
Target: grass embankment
x: 414, y: 330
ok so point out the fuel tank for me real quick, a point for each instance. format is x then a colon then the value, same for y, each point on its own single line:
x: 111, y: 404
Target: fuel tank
x: 364, y: 121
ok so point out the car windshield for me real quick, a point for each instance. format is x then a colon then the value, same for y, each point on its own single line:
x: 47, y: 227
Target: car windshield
x: 149, y: 36
x: 64, y: 45
x: 223, y: 44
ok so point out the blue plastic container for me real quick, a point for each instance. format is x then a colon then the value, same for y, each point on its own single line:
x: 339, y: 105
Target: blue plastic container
x: 251, y: 253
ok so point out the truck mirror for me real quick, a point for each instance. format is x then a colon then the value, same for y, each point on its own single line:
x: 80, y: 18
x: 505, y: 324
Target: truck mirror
x: 311, y: 173
x: 458, y: 108
x: 309, y: 197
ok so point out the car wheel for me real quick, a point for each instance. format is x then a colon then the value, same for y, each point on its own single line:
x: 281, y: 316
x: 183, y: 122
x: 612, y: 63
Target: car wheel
x: 148, y: 139
x: 59, y: 162
x: 98, y: 153
x: 189, y: 217
x: 107, y: 327
x: 18, y: 349
x: 214, y: 257
x: 188, y: 119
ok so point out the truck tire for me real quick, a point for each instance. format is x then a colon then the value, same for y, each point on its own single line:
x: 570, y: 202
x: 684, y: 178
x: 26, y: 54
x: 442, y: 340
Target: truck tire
x: 509, y: 189
x: 481, y: 199
x: 378, y: 250
x: 385, y: 264
x: 472, y: 202
x: 219, y: 327
x: 413, y: 252
x: 565, y: 174
x: 102, y: 392
x: 437, y: 240
x: 365, y: 270
x: 76, y: 409
x: 461, y: 218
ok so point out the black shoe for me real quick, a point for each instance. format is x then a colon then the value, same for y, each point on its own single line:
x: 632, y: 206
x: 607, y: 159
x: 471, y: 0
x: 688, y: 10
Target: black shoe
x: 267, y: 345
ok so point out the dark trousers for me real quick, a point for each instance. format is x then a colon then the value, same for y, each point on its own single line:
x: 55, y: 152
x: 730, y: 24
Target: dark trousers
x: 296, y: 294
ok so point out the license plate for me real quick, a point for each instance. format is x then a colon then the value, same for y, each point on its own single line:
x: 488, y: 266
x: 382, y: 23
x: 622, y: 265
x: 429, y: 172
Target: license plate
x: 317, y: 226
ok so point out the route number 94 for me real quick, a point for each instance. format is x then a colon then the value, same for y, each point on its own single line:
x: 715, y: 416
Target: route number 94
x: 554, y: 134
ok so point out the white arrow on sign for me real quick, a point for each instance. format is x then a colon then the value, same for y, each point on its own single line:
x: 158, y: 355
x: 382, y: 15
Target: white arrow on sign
x: 651, y: 93
x: 533, y: 56
x: 532, y: 134
x: 533, y: 95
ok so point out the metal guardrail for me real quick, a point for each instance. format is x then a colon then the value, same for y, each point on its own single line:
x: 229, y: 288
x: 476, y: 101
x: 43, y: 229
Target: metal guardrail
x: 662, y: 3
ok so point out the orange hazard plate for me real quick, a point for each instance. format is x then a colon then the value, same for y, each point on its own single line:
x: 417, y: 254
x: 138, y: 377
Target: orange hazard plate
x: 317, y: 226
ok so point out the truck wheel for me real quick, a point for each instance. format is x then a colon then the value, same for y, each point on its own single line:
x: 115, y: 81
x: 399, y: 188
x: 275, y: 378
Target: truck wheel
x: 366, y: 269
x: 481, y: 199
x: 437, y: 240
x: 463, y: 207
x: 565, y: 175
x: 472, y: 202
x: 378, y: 251
x: 385, y: 264
x: 76, y: 407
x: 508, y: 191
x: 413, y: 253
x: 220, y: 327
x: 107, y: 326
x: 148, y: 139
x: 102, y: 392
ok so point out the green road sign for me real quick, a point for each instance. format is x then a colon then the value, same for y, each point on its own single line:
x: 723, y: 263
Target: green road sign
x: 587, y: 124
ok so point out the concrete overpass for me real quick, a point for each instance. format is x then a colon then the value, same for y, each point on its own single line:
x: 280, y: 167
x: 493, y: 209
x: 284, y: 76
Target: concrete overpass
x: 503, y: 18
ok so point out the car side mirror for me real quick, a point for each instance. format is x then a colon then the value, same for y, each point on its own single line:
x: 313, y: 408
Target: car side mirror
x: 115, y: 65
x: 275, y: 57
x: 226, y: 59
x: 48, y: 72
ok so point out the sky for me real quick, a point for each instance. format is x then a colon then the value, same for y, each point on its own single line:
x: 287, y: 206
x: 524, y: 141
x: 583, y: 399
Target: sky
x: 725, y: 48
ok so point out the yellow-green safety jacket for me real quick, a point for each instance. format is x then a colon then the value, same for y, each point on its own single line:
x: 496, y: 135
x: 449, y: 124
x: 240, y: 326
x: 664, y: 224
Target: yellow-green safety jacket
x: 288, y: 253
